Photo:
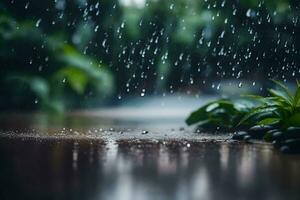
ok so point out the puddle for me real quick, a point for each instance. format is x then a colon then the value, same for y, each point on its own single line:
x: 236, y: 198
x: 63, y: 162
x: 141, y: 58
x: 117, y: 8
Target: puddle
x: 82, y: 157
x: 144, y: 169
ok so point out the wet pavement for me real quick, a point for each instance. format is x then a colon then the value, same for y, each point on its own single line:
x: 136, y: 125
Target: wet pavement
x: 144, y: 169
x: 86, y: 156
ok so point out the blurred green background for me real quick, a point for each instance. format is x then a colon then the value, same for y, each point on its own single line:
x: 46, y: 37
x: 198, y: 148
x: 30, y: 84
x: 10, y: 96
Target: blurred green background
x: 57, y: 55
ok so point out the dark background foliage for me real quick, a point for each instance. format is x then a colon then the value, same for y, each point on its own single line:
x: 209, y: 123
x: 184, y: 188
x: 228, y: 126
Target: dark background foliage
x: 58, y: 54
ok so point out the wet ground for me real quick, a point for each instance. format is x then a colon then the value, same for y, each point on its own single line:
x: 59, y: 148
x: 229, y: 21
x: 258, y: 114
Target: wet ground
x: 104, y: 155
x: 139, y: 169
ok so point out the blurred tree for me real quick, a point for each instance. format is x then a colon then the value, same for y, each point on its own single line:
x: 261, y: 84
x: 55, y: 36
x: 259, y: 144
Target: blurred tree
x: 41, y: 68
x: 74, y: 49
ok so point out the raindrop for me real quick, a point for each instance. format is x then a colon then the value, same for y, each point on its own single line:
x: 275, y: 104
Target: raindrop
x: 96, y: 28
x: 234, y: 12
x: 104, y: 43
x: 191, y: 81
x: 37, y: 24
x: 248, y: 13
x: 201, y: 41
x: 180, y: 56
x: 122, y: 25
x: 143, y: 92
x: 26, y: 6
x: 240, y: 85
x: 97, y: 5
x: 223, y: 3
x: 222, y: 34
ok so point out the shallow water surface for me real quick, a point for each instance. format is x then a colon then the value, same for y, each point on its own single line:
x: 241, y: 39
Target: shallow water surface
x: 101, y: 155
x: 144, y: 169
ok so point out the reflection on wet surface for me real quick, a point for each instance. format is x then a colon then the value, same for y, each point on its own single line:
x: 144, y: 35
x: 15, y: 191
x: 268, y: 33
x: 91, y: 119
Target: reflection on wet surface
x: 97, y: 127
x: 144, y: 169
x: 95, y: 156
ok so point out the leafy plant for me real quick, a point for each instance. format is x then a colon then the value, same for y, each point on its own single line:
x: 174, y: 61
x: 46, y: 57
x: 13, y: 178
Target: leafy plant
x: 281, y: 108
x: 275, y: 117
x: 222, y: 114
x: 46, y: 72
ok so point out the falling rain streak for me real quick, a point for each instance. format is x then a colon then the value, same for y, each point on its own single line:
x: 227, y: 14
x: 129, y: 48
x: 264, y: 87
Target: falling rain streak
x: 160, y: 48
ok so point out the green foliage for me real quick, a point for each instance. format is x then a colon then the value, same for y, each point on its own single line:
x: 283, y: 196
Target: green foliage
x: 202, y: 39
x: 221, y: 113
x: 275, y: 118
x: 280, y: 109
x: 51, y: 85
x: 82, y: 71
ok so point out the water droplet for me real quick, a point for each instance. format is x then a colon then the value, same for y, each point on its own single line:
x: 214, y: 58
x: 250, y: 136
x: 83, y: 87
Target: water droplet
x: 37, y: 24
x: 240, y: 85
x: 222, y: 34
x: 96, y: 28
x: 143, y: 92
x: 248, y: 13
x: 26, y: 6
x: 234, y: 12
x: 122, y: 25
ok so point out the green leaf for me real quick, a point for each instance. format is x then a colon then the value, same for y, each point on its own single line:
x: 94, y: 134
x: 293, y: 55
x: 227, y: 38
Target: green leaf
x: 283, y: 91
x: 224, y: 105
x: 255, y: 97
x: 258, y: 111
x: 261, y: 99
x: 269, y: 121
x: 281, y: 95
x: 203, y: 112
x: 98, y: 76
x: 293, y: 120
x: 198, y: 115
x: 76, y: 78
x: 296, y: 101
x: 38, y: 85
x: 280, y: 110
